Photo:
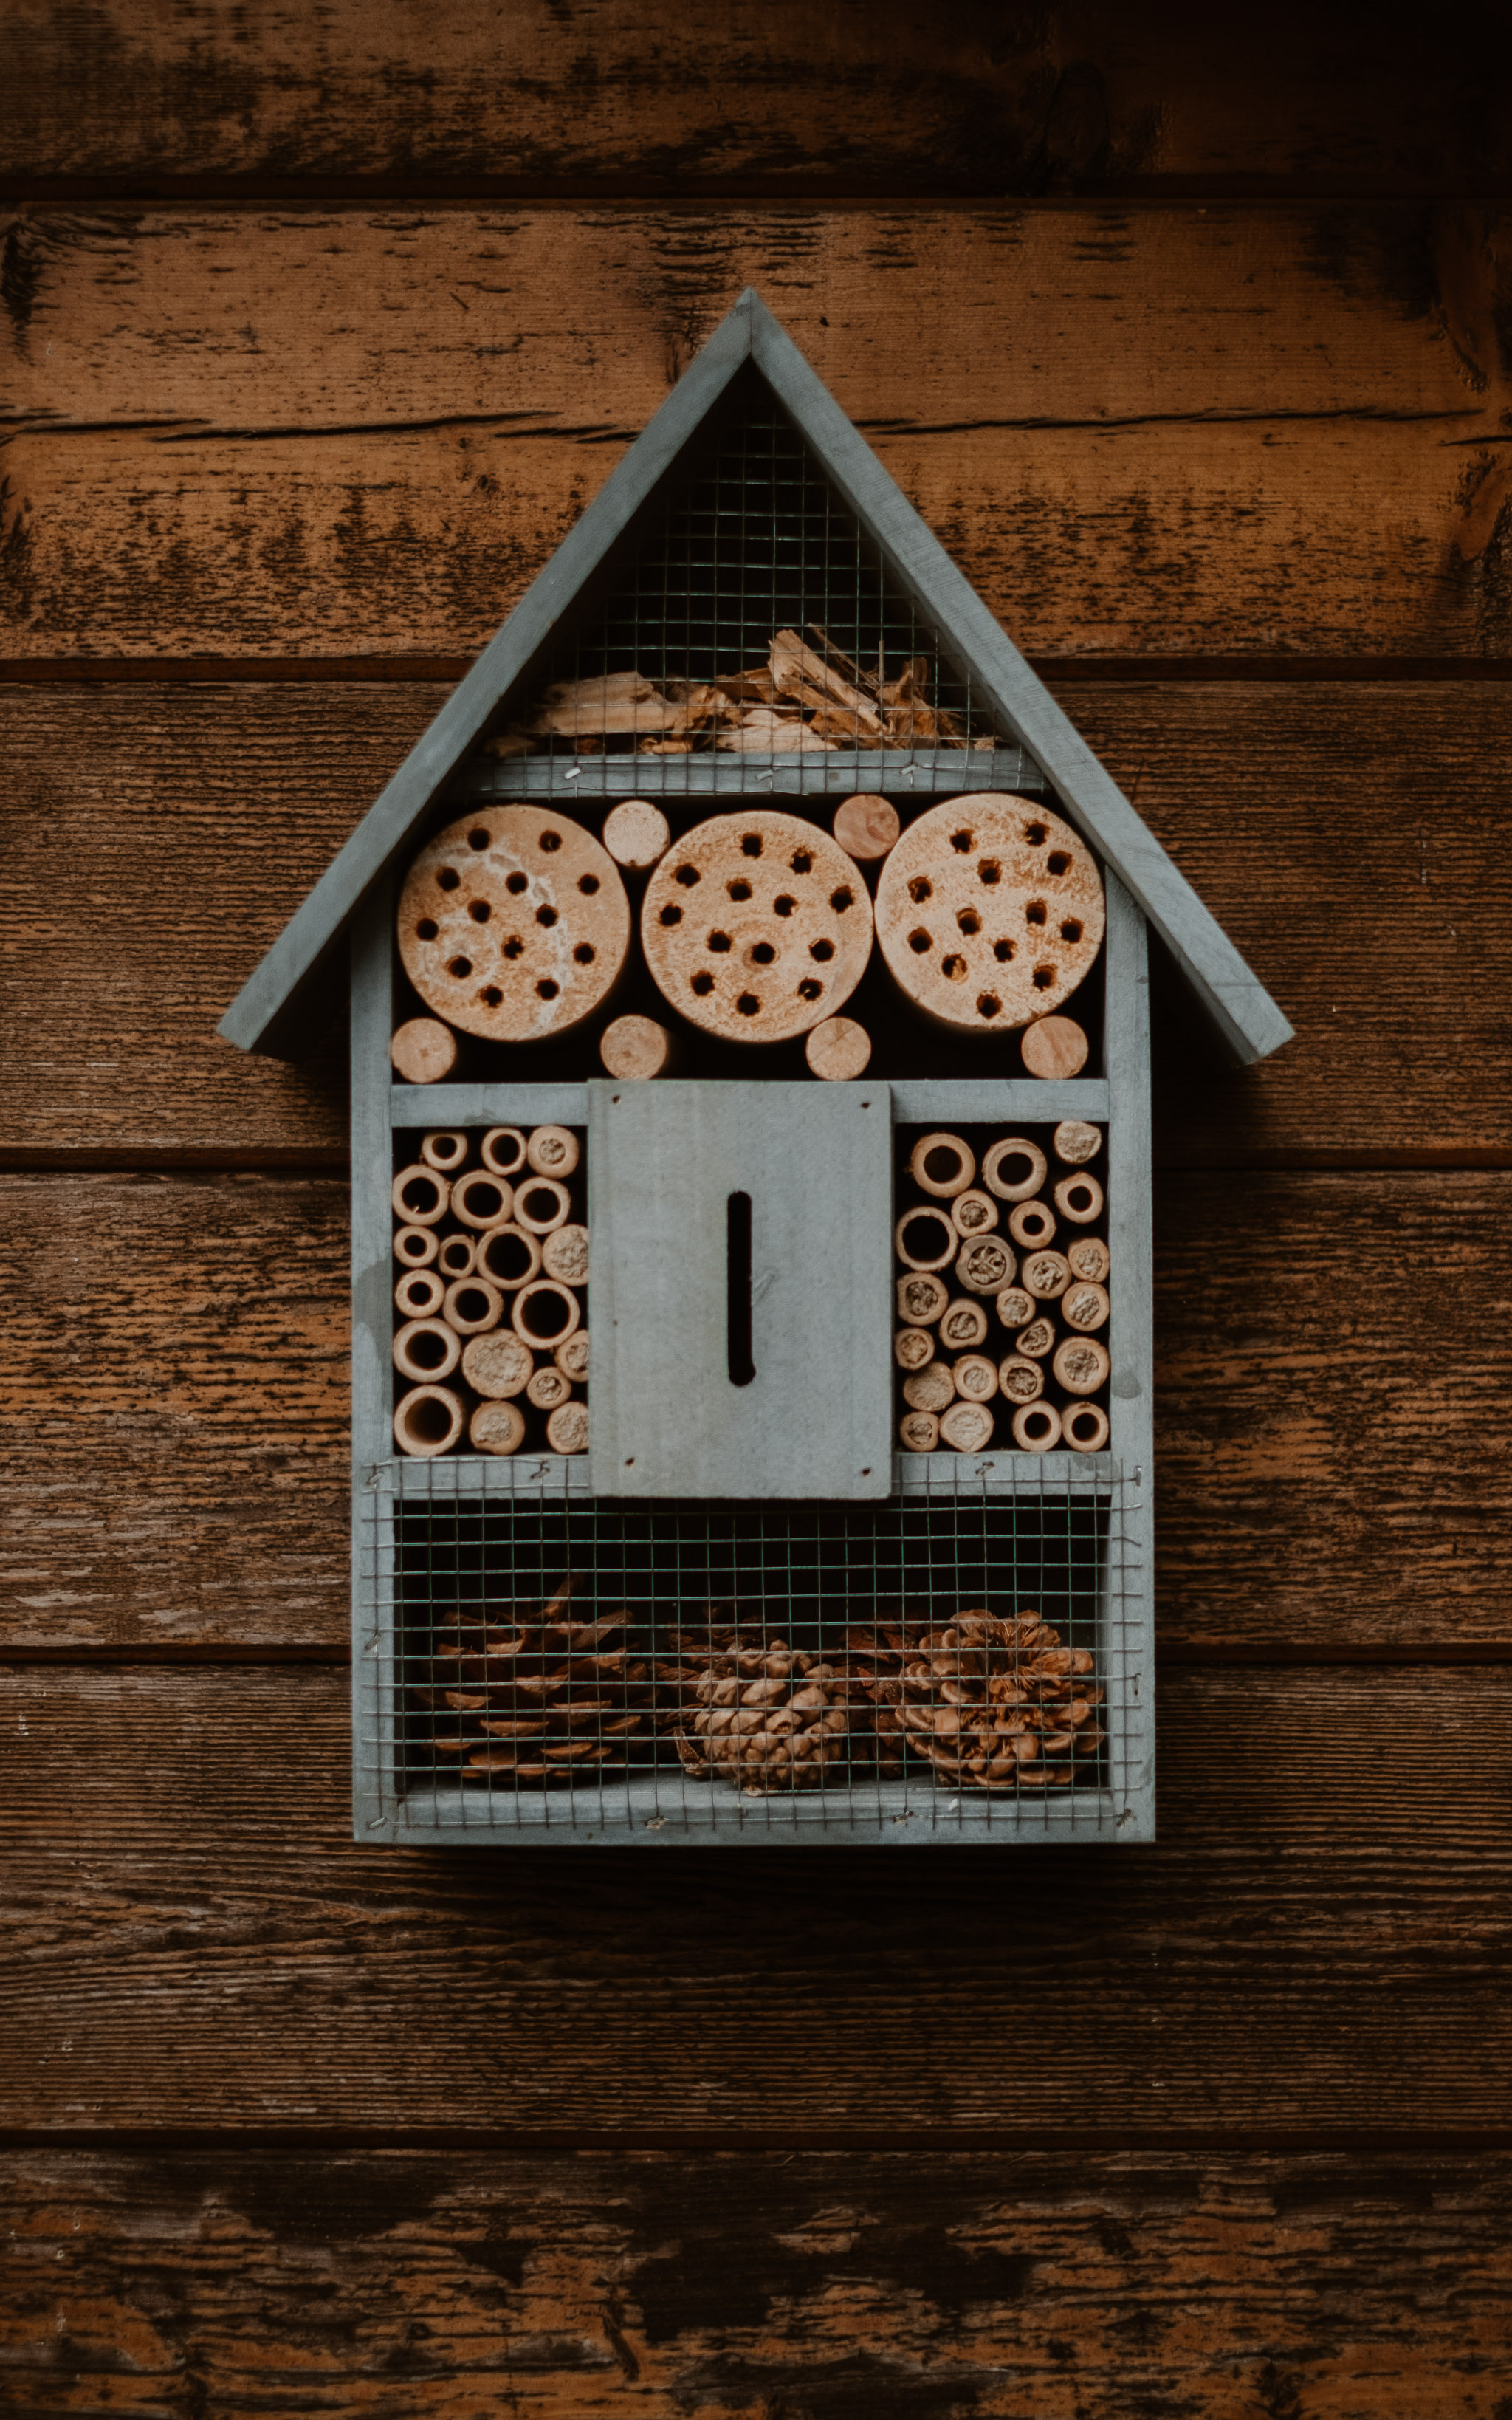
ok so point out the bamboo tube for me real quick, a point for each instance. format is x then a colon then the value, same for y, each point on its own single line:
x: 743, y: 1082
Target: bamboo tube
x: 420, y: 1196
x: 427, y: 1421
x: 918, y: 1433
x: 985, y: 1266
x: 426, y: 1349
x: 571, y: 1356
x: 637, y: 835
x: 1047, y: 1275
x: 975, y: 1377
x: 1089, y: 1258
x: 503, y: 1150
x: 1022, y: 1382
x: 931, y: 1388
x: 922, y: 1300
x: 974, y: 1213
x: 1081, y: 1365
x: 1075, y: 1143
x: 1013, y: 1168
x: 1015, y: 1308
x: 472, y: 1306
x: 446, y: 1150
x: 867, y: 827
x: 564, y: 1255
x: 963, y: 1326
x: 547, y: 1388
x: 481, y: 1200
x: 1084, y: 1428
x: 541, y: 1203
x: 508, y: 1257
x: 1054, y: 1048
x: 566, y: 1431
x: 1084, y: 1307
x: 1031, y: 1224
x: 458, y: 1256
x: 942, y: 1164
x: 912, y: 1347
x: 1037, y: 1428
x: 636, y: 1049
x: 423, y: 1050
x: 420, y: 1293
x: 416, y: 1246
x: 544, y: 1312
x: 838, y: 1050
x: 552, y: 1151
x: 1079, y: 1199
x: 966, y: 1428
x: 1036, y: 1340
x: 497, y: 1427
x: 498, y: 1364
x: 925, y: 1239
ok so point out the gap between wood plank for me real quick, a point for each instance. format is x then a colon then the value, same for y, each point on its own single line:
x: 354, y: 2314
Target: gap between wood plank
x: 36, y: 672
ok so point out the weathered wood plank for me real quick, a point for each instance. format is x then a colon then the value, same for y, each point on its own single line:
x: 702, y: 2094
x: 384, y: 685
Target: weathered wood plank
x: 1321, y: 1941
x: 1352, y: 841
x: 778, y: 96
x: 1164, y: 432
x: 1074, y: 2286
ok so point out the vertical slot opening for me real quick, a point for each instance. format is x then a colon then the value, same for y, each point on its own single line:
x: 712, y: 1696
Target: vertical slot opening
x: 737, y: 1289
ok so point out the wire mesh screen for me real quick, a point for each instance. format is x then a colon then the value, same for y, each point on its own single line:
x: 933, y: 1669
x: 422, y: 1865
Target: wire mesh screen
x: 542, y: 1660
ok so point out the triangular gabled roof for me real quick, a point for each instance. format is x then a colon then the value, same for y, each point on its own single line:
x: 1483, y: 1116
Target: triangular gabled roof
x: 268, y: 1013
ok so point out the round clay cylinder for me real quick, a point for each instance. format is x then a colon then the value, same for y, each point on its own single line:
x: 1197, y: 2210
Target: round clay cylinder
x: 1037, y: 1428
x: 472, y: 1306
x: 984, y: 1266
x: 925, y: 1239
x: 838, y: 1050
x: 544, y: 1312
x: 637, y: 834
x: 427, y: 1421
x: 989, y: 912
x: 974, y: 1213
x: 912, y: 1347
x: 1081, y: 1365
x: 1036, y: 1340
x: 508, y: 1257
x: 552, y: 1151
x: 546, y: 1388
x: 565, y: 1254
x: 481, y: 1200
x: 503, y: 1150
x: 922, y: 1300
x: 1084, y: 1428
x: 415, y: 1247
x: 1015, y: 1308
x: 421, y: 1195
x: 756, y: 926
x: 1031, y: 1224
x: 541, y: 1205
x: 458, y: 1256
x: 514, y: 924
x: 1084, y: 1307
x: 867, y: 827
x: 966, y: 1428
x: 918, y: 1433
x: 420, y: 1293
x: 963, y: 1326
x: 1089, y: 1258
x: 497, y: 1427
x: 1022, y: 1382
x: 571, y: 1356
x: 423, y: 1050
x: 975, y: 1377
x: 426, y: 1349
x: 446, y: 1150
x: 942, y: 1164
x: 635, y: 1049
x: 1045, y: 1275
x: 1079, y: 1199
x: 1075, y: 1143
x: 1054, y: 1048
x: 931, y: 1388
x: 566, y: 1431
x: 498, y: 1365
x: 1013, y: 1168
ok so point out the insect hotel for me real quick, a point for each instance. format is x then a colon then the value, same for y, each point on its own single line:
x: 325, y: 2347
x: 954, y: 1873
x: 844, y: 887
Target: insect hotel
x: 751, y: 1373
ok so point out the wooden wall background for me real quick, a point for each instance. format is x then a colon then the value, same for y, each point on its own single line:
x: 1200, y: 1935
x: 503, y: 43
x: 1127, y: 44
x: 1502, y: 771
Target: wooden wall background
x: 1190, y: 332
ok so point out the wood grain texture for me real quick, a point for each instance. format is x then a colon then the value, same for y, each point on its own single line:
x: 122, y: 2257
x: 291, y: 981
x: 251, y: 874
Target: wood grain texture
x: 1321, y: 1941
x: 1164, y: 432
x: 1351, y: 840
x: 779, y: 96
x: 823, y: 2287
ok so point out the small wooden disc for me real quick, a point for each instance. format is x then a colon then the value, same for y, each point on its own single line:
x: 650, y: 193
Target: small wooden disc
x: 637, y: 834
x: 635, y: 1049
x: 975, y: 1377
x: 423, y: 1050
x: 571, y: 1356
x: 918, y: 1433
x: 922, y: 1300
x: 756, y: 926
x: 1089, y: 1258
x: 989, y: 912
x: 966, y: 1428
x: 867, y: 827
x: 1054, y: 1048
x: 1084, y: 1428
x: 497, y: 1427
x: 912, y: 1347
x: 498, y: 1365
x: 514, y: 924
x: 1037, y: 1428
x: 931, y: 1388
x: 963, y: 1326
x: 1075, y: 1143
x: 838, y: 1050
x: 1022, y: 1382
x: 565, y: 1254
x: 1081, y: 1364
x: 1084, y: 1307
x: 427, y: 1421
x: 566, y: 1431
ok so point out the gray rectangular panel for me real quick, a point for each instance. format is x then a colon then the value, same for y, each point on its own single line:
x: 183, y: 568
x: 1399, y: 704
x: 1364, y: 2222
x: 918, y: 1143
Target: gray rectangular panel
x: 815, y: 1160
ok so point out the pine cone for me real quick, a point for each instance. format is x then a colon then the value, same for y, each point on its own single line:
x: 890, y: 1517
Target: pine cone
x: 539, y: 1701
x: 770, y: 1718
x: 998, y: 1705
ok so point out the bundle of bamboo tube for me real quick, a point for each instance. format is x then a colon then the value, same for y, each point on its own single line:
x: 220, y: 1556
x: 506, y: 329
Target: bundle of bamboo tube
x: 490, y: 1303
x: 1002, y: 1293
